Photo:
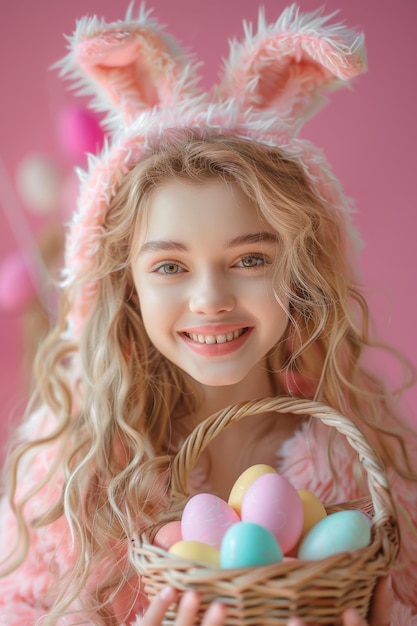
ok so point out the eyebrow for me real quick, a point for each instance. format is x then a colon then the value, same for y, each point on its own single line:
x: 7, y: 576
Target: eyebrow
x: 168, y: 244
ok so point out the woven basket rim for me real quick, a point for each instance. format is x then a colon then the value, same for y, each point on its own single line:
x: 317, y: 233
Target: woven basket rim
x: 143, y: 544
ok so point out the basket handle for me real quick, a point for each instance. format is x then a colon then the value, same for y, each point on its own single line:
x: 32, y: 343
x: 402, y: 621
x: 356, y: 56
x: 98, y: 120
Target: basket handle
x: 200, y: 437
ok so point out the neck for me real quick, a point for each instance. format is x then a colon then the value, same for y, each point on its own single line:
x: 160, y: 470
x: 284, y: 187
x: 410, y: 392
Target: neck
x: 258, y: 384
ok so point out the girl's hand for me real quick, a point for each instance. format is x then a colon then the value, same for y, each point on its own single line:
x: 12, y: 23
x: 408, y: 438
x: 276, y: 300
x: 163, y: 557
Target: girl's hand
x: 187, y: 610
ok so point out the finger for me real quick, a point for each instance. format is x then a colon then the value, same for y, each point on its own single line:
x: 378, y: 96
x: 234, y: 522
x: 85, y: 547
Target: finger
x: 188, y: 609
x: 352, y: 618
x: 215, y: 615
x: 295, y: 621
x: 382, y: 603
x: 155, y: 613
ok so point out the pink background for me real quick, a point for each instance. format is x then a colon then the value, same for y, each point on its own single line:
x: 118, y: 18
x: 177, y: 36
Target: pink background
x: 368, y: 134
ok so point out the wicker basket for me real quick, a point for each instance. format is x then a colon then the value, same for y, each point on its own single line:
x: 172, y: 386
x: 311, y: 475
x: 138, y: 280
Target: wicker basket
x: 316, y: 591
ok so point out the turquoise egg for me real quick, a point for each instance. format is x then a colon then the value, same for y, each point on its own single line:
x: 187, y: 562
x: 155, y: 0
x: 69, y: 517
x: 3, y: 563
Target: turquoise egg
x: 344, y: 531
x: 246, y: 544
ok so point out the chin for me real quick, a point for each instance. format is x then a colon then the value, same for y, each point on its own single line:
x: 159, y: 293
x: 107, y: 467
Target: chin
x: 219, y: 379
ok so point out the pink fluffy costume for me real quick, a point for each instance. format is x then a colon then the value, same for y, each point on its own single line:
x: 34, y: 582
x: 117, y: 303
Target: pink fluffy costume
x: 271, y: 84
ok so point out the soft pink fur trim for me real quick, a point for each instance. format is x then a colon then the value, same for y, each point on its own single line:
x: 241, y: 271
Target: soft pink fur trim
x: 128, y: 66
x: 287, y: 65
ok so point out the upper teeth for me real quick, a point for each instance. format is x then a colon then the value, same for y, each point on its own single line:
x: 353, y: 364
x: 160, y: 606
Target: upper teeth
x: 216, y: 338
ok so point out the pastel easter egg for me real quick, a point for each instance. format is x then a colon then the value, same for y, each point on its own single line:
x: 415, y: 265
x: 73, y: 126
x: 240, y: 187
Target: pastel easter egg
x: 248, y: 545
x: 196, y: 551
x: 167, y: 535
x: 273, y: 502
x: 343, y: 531
x: 206, y: 518
x: 314, y: 511
x: 244, y: 481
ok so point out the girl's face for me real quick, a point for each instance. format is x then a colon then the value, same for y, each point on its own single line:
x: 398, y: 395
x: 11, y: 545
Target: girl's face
x: 203, y: 271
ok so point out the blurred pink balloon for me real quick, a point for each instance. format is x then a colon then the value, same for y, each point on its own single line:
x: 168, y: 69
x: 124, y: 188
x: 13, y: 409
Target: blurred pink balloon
x: 80, y: 133
x: 17, y: 284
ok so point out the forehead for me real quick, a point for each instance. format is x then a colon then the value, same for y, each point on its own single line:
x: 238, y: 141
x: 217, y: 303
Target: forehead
x: 178, y: 205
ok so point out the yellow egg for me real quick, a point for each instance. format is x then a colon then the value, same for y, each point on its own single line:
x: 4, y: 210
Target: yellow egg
x: 196, y: 551
x: 244, y: 482
x: 314, y: 511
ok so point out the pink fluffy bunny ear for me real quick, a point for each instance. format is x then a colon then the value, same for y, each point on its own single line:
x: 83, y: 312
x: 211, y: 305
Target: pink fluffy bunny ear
x: 129, y: 66
x: 287, y: 66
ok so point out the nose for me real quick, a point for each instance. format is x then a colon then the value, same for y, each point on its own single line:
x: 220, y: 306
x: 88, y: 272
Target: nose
x: 211, y: 294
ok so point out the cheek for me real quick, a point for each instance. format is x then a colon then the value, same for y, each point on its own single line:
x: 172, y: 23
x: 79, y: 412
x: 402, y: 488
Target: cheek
x: 157, y: 311
x: 151, y: 310
x: 158, y: 306
x: 282, y: 307
x: 277, y: 316
x: 274, y: 305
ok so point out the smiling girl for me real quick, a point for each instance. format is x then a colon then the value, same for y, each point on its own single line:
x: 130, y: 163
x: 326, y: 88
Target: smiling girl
x: 209, y: 263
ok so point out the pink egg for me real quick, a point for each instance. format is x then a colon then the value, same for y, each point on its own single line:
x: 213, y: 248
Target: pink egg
x: 273, y: 502
x: 168, y: 535
x: 206, y: 518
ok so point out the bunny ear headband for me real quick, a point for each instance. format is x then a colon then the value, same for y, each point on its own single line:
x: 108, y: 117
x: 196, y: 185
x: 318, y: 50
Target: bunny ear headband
x: 271, y: 84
